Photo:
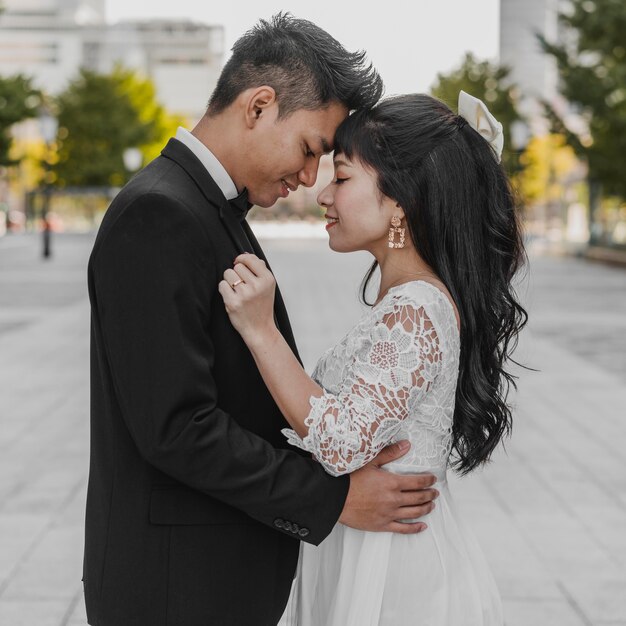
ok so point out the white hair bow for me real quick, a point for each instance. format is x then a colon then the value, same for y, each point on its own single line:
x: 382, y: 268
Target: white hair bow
x: 477, y: 114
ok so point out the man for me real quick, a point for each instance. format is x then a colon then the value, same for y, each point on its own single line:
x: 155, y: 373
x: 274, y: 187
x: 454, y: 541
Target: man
x: 195, y: 503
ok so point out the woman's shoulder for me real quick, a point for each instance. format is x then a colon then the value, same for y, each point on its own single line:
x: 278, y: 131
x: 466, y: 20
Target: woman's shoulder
x: 421, y: 295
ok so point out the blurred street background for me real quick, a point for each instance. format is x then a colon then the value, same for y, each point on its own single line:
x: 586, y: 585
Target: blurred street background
x: 550, y: 512
x: 91, y: 90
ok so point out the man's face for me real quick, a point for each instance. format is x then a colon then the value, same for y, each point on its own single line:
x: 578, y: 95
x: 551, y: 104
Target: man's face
x: 284, y: 154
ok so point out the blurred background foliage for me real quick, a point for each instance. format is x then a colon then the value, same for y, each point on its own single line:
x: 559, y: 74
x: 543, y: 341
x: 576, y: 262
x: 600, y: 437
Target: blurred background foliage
x: 103, y: 116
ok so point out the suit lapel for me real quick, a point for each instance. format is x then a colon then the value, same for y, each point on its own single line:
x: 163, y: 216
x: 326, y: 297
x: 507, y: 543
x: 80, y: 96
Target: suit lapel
x: 179, y: 153
x: 280, y: 311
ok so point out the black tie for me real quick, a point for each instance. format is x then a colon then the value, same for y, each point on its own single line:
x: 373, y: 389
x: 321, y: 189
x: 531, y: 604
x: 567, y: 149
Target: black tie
x: 240, y: 205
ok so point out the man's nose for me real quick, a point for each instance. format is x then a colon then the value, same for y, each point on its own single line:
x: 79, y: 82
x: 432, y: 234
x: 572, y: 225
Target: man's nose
x: 308, y: 174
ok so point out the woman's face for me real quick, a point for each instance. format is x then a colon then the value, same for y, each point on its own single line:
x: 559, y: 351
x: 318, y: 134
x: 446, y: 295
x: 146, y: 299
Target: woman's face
x: 358, y: 215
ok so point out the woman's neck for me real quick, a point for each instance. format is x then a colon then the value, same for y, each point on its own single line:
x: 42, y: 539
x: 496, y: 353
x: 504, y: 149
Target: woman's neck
x: 399, y: 266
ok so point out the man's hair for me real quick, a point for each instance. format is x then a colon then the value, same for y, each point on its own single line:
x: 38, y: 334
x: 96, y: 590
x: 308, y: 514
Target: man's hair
x: 306, y: 67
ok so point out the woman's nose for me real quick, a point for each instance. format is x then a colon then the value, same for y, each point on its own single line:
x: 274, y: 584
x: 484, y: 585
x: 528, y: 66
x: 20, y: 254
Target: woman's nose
x: 325, y: 197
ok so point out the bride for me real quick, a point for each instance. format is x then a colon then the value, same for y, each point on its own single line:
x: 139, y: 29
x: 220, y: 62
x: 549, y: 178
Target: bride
x: 422, y: 190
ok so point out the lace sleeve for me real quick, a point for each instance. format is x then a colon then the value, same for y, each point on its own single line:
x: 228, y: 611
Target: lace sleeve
x: 392, y: 369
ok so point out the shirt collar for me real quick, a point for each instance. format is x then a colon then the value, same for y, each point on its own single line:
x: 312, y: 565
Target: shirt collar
x: 216, y: 170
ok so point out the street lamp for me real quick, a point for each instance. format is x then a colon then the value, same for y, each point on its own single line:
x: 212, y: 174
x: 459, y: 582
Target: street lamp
x: 132, y: 159
x: 48, y: 125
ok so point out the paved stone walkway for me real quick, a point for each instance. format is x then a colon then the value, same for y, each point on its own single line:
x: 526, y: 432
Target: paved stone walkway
x: 550, y: 512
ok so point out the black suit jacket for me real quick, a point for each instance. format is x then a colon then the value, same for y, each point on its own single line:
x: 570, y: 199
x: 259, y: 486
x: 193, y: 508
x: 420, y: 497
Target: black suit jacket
x: 195, y: 502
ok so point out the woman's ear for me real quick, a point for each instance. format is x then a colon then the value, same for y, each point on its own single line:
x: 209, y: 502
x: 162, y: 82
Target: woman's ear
x: 392, y: 208
x: 258, y: 102
x: 399, y: 211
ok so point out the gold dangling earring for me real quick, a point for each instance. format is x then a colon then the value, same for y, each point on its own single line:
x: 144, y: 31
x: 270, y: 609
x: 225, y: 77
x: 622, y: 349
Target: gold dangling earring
x: 395, y: 228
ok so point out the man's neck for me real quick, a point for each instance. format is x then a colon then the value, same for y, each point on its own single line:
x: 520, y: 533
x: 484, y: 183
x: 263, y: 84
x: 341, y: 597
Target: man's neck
x: 211, y: 132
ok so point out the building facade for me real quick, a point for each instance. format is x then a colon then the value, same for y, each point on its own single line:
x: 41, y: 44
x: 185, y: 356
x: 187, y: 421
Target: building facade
x: 531, y: 70
x: 565, y: 220
x: 51, y: 40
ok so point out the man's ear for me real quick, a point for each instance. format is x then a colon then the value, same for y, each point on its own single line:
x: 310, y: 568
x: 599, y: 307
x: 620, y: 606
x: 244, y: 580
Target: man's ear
x: 259, y: 101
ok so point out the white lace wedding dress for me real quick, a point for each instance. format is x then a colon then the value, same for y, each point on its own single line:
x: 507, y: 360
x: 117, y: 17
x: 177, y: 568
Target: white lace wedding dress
x: 392, y: 377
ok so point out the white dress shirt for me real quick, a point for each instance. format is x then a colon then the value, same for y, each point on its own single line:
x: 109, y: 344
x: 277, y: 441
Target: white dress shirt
x: 210, y: 162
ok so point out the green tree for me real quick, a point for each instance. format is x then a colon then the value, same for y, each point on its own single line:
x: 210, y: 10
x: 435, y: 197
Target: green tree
x: 591, y: 60
x: 490, y: 83
x: 19, y: 100
x: 142, y: 94
x: 98, y: 120
x: 548, y: 164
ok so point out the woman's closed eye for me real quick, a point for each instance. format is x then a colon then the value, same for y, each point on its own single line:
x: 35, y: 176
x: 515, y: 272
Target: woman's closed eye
x: 338, y: 180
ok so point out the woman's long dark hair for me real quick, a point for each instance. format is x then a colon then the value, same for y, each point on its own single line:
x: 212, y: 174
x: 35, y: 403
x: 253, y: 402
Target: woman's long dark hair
x: 460, y: 214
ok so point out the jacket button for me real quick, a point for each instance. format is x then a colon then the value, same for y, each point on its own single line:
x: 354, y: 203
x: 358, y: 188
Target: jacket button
x: 303, y: 532
x: 279, y: 523
x: 295, y: 528
x: 287, y: 526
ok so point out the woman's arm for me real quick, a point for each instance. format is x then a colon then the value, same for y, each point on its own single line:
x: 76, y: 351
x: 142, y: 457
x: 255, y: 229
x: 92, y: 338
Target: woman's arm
x: 392, y: 370
x: 290, y: 385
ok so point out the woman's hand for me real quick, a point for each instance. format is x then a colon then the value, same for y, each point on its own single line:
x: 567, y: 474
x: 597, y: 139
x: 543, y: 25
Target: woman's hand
x: 248, y: 292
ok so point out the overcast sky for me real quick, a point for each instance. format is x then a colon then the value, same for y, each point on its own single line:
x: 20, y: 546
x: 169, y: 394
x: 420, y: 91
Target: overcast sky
x: 409, y: 42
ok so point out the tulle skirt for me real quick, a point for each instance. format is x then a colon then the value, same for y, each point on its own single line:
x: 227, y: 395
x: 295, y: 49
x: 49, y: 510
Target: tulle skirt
x: 436, y: 578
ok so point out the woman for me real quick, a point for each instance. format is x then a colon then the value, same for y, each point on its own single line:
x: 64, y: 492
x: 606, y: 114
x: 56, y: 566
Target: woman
x: 421, y: 189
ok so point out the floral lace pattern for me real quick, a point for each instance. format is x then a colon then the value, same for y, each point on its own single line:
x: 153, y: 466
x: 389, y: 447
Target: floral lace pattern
x: 393, y: 376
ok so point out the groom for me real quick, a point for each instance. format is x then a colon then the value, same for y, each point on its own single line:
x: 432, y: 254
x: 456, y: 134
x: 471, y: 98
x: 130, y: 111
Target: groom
x: 195, y: 502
